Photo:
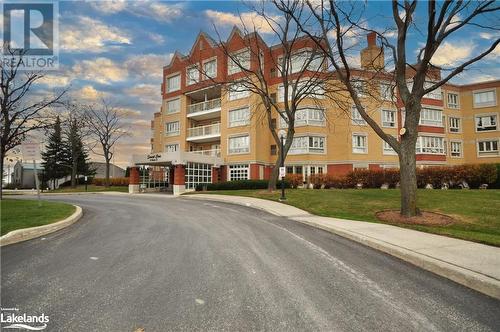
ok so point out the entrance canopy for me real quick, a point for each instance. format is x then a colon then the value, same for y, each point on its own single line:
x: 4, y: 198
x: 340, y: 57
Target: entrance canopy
x: 176, y: 158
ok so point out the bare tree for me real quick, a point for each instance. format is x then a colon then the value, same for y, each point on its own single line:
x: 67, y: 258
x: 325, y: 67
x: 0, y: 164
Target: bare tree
x: 330, y: 22
x: 23, y: 109
x: 106, y: 124
x: 299, y: 66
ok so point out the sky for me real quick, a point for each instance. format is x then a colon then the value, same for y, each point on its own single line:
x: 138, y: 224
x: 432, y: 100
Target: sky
x: 116, y: 50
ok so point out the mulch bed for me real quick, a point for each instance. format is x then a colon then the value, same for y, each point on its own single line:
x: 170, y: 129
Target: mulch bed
x: 425, y: 218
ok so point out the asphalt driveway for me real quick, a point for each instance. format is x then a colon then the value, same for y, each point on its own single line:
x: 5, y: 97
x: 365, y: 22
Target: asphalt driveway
x: 171, y: 264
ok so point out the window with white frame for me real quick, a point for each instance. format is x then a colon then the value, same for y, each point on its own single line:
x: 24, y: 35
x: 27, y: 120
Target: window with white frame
x: 484, y: 98
x: 356, y: 117
x: 307, y: 144
x: 299, y: 60
x: 456, y: 149
x: 239, y: 144
x: 431, y: 117
x: 359, y: 143
x: 173, y: 106
x: 454, y: 125
x: 387, y: 149
x: 361, y: 87
x: 430, y: 145
x: 386, y: 91
x: 197, y: 174
x: 313, y: 90
x: 239, y: 117
x: 452, y: 99
x: 238, y: 60
x: 172, y: 147
x: 239, y: 172
x: 488, y: 147
x: 435, y: 94
x: 172, y: 128
x: 173, y: 83
x: 486, y: 122
x: 210, y: 69
x: 237, y: 91
x: 389, y: 118
x: 306, y: 117
x: 192, y: 75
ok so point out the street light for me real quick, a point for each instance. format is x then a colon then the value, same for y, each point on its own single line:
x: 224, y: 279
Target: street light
x: 282, y: 172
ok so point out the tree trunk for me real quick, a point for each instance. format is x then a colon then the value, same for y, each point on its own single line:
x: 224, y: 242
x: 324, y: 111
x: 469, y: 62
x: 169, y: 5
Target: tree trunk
x: 274, y: 175
x: 408, y: 179
x: 106, y: 183
x: 1, y: 172
x: 74, y: 166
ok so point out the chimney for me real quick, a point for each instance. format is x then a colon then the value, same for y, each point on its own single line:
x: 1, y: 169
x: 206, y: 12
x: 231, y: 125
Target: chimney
x: 372, y: 57
x: 371, y: 39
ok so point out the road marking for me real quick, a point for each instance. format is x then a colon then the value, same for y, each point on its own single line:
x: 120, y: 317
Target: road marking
x: 43, y: 238
x: 94, y: 258
x: 199, y: 301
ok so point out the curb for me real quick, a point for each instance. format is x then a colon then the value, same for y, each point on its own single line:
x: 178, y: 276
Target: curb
x: 474, y: 280
x: 24, y: 234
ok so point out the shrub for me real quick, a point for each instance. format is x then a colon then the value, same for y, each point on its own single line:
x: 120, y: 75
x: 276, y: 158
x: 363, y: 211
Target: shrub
x: 294, y: 180
x: 240, y: 184
x: 112, y: 181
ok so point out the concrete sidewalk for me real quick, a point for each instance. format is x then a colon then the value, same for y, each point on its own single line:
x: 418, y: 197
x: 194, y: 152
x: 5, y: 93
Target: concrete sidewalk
x: 471, y: 264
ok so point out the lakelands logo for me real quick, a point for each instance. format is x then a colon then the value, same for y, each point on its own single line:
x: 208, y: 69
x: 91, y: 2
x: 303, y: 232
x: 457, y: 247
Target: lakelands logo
x: 30, y: 35
x: 11, y: 318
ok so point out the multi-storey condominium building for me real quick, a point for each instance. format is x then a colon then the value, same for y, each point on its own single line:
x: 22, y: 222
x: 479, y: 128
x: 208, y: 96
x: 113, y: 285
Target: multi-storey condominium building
x: 206, y: 132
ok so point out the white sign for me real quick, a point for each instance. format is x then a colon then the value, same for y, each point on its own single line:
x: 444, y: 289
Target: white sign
x: 30, y: 151
x: 282, y: 172
x: 85, y: 178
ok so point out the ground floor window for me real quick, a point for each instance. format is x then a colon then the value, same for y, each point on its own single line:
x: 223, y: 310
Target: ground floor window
x: 197, y: 173
x: 488, y: 147
x: 306, y: 170
x: 430, y: 145
x: 239, y: 172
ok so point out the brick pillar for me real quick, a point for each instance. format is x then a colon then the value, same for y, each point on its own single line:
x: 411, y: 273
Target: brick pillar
x: 179, y: 179
x: 215, y: 174
x: 134, y: 180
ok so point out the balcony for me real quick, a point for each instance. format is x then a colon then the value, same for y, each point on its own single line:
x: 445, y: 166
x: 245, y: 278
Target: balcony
x: 211, y: 153
x: 204, y: 133
x: 204, y: 110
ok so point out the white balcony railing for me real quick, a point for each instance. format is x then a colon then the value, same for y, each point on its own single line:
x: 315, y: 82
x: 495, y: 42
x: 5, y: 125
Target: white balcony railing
x: 211, y: 153
x: 204, y: 106
x: 209, y: 130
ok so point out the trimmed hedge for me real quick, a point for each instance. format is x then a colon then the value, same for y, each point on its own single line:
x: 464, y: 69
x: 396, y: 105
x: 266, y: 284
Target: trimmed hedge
x: 240, y: 184
x: 473, y: 174
x: 112, y: 181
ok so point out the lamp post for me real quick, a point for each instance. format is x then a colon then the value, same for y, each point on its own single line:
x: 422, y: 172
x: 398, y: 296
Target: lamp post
x: 281, y: 133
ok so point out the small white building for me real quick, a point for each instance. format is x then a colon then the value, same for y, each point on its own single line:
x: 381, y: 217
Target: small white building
x: 23, y: 176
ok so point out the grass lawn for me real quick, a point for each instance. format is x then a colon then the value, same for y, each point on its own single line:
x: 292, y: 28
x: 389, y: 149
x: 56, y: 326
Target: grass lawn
x: 16, y: 214
x: 90, y: 188
x: 477, y: 211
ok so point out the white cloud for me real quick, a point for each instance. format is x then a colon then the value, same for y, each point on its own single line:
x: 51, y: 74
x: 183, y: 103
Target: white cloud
x: 101, y: 70
x: 146, y: 93
x: 55, y: 80
x: 489, y: 35
x: 246, y: 20
x: 451, y: 54
x: 88, y: 93
x: 148, y: 66
x: 109, y: 6
x: 85, y: 34
x: 158, y: 11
